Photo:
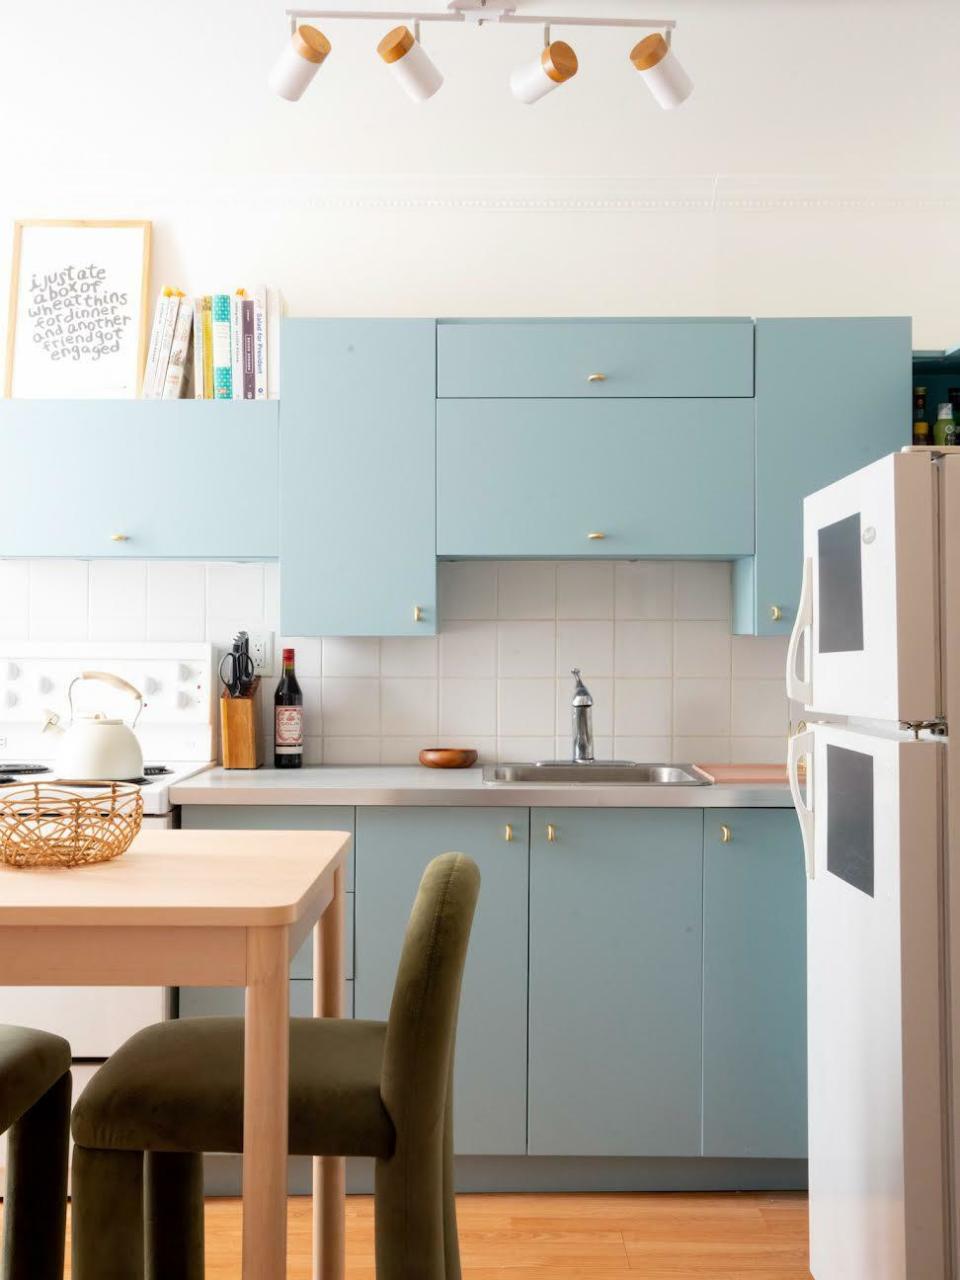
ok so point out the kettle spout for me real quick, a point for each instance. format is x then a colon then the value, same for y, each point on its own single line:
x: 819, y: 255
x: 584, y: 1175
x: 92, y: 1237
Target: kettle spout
x: 51, y: 723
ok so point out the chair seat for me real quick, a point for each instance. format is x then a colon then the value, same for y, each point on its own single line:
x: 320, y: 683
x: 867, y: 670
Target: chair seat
x: 31, y: 1062
x: 178, y: 1086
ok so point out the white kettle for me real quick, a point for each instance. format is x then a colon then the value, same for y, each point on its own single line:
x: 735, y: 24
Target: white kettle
x: 94, y: 747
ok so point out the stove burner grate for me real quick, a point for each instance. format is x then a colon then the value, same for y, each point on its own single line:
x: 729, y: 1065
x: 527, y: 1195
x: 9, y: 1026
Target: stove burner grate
x: 16, y: 767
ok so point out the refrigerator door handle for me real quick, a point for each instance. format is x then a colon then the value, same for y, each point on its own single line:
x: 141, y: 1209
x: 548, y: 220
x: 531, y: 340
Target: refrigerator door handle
x: 800, y: 687
x: 798, y: 747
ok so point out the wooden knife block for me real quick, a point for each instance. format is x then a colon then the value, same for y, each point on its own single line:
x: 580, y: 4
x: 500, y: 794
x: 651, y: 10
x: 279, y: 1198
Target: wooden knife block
x: 241, y: 729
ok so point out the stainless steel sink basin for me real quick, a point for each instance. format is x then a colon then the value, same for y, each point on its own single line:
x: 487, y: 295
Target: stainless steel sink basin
x: 624, y: 772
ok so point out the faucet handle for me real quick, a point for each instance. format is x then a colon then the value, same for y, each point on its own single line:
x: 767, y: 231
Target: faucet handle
x: 581, y: 694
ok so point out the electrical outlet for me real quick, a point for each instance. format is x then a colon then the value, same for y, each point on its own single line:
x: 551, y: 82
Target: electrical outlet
x: 261, y: 651
x: 3, y: 744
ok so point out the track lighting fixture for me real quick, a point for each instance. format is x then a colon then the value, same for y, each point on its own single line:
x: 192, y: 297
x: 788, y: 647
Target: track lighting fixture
x: 410, y: 64
x: 415, y: 71
x: 660, y: 69
x: 303, y: 55
x: 553, y: 67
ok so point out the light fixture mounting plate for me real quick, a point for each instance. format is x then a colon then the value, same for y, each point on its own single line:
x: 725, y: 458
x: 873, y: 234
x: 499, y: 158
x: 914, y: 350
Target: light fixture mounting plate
x: 482, y: 10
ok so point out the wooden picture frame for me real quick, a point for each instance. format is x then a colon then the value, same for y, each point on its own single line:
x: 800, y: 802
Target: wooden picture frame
x: 85, y: 336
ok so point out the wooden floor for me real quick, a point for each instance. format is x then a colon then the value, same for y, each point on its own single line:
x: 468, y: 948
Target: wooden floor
x: 660, y: 1237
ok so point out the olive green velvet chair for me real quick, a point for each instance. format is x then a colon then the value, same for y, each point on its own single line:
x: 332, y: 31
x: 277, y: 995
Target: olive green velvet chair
x: 357, y: 1088
x: 35, y: 1113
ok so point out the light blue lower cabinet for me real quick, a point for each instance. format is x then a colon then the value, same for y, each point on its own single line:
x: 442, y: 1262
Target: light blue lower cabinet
x: 393, y: 848
x: 206, y: 1002
x: 754, y: 989
x: 615, y: 982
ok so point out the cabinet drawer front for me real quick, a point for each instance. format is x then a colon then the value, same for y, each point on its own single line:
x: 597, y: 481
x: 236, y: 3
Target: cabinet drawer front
x: 563, y: 358
x: 270, y: 817
x: 140, y: 478
x: 537, y: 477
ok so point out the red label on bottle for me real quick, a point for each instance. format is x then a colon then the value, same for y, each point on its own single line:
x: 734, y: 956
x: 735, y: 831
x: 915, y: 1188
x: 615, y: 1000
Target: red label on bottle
x: 288, y: 730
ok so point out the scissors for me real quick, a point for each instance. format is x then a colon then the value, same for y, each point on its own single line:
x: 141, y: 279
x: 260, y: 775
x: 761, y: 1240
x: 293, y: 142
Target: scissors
x: 238, y: 676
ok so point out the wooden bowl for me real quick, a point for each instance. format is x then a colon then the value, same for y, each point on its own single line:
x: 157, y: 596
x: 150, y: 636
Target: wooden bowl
x: 448, y: 757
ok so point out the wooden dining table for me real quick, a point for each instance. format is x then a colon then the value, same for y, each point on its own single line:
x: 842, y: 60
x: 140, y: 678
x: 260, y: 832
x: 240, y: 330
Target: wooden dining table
x: 207, y: 908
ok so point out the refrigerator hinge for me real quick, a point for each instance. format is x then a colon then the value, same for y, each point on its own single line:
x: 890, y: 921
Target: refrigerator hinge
x: 937, y: 727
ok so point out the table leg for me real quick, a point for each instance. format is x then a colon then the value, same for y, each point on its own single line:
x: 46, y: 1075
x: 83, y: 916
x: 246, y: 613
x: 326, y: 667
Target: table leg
x: 265, y: 1104
x: 329, y: 1172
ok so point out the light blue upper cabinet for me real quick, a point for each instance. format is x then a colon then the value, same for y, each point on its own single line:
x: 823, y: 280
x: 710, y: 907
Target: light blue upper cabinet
x: 754, y: 1007
x: 393, y: 849
x: 594, y: 358
x: 138, y: 478
x: 832, y: 395
x: 615, y: 982
x: 537, y: 478
x: 358, y: 478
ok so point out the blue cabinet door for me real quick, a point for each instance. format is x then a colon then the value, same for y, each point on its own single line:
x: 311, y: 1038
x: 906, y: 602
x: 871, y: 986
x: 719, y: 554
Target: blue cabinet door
x: 594, y: 358
x: 393, y: 848
x: 615, y: 982
x: 138, y: 478
x: 754, y: 984
x: 832, y: 395
x: 537, y: 477
x: 357, y: 478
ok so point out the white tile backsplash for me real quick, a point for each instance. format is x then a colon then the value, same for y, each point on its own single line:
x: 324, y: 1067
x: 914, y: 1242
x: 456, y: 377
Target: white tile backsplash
x: 652, y: 638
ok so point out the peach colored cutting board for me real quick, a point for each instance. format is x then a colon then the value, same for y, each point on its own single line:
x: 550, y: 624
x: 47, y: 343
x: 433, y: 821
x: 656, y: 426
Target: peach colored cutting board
x: 746, y: 773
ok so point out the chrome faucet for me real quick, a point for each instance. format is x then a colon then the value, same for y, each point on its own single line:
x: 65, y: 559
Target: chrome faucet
x: 582, y: 721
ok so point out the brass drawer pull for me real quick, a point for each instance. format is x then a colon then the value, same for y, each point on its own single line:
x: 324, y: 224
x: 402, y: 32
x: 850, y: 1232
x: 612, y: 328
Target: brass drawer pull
x: 776, y: 613
x: 551, y: 833
x: 595, y: 536
x: 119, y: 537
x: 726, y: 835
x: 597, y: 377
x: 508, y: 832
x: 417, y: 613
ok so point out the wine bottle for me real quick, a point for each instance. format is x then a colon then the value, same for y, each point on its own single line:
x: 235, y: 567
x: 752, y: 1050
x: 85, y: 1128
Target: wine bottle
x: 288, y: 718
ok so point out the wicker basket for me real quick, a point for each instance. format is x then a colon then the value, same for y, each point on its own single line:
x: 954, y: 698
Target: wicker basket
x: 46, y: 825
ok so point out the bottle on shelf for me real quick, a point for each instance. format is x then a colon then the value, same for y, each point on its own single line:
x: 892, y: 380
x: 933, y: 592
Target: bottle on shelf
x: 953, y: 395
x: 945, y: 425
x: 921, y: 428
x: 288, y: 717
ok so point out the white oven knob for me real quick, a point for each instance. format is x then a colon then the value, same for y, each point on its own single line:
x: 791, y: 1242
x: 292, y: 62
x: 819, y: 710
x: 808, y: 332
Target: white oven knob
x: 150, y: 685
x: 13, y: 671
x: 183, y: 699
x: 44, y: 684
x: 11, y: 698
x: 184, y: 672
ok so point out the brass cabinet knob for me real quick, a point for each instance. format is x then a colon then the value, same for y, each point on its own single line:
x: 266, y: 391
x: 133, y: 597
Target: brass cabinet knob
x: 776, y: 613
x: 596, y: 536
x: 597, y: 377
x: 417, y: 613
x: 119, y: 537
x: 551, y: 833
x: 726, y: 835
x: 508, y: 832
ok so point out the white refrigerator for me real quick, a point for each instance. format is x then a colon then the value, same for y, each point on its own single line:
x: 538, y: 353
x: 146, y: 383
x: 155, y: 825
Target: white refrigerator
x: 875, y: 661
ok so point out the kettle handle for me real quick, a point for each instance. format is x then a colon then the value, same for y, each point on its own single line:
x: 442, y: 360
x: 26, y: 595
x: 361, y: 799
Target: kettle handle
x: 105, y: 677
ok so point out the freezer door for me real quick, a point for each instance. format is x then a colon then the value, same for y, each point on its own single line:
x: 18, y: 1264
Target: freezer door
x: 865, y: 642
x: 875, y: 1044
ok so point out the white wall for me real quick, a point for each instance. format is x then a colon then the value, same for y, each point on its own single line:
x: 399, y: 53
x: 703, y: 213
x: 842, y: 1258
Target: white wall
x: 814, y: 170
x: 653, y: 639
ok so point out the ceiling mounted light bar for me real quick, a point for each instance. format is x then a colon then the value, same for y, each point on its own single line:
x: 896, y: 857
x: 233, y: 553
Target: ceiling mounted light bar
x: 469, y: 11
x: 402, y: 52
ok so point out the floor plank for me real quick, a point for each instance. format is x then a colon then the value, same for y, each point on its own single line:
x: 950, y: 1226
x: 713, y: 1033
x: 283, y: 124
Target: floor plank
x: 734, y: 1236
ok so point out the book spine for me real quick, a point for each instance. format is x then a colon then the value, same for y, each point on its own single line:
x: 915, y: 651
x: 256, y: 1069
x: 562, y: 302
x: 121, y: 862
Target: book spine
x: 236, y: 343
x: 156, y: 334
x: 166, y: 345
x: 173, y: 383
x: 208, y: 388
x: 274, y: 309
x: 260, y: 342
x: 222, y: 348
x: 198, y: 348
x: 249, y: 359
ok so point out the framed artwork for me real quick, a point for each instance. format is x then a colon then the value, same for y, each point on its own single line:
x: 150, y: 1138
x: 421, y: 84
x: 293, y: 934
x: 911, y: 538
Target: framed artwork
x: 78, y: 309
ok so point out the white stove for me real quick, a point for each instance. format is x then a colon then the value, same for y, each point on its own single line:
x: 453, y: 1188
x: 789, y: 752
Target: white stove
x: 176, y: 728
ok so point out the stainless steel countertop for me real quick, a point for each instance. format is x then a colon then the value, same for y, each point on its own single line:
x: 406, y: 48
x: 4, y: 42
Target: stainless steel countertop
x: 414, y: 785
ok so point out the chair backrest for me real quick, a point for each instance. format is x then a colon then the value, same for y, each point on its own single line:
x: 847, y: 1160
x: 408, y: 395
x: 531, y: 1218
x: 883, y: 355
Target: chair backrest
x: 421, y: 1028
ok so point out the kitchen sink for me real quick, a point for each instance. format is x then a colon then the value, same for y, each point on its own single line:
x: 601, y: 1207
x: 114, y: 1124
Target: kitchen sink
x: 624, y: 772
